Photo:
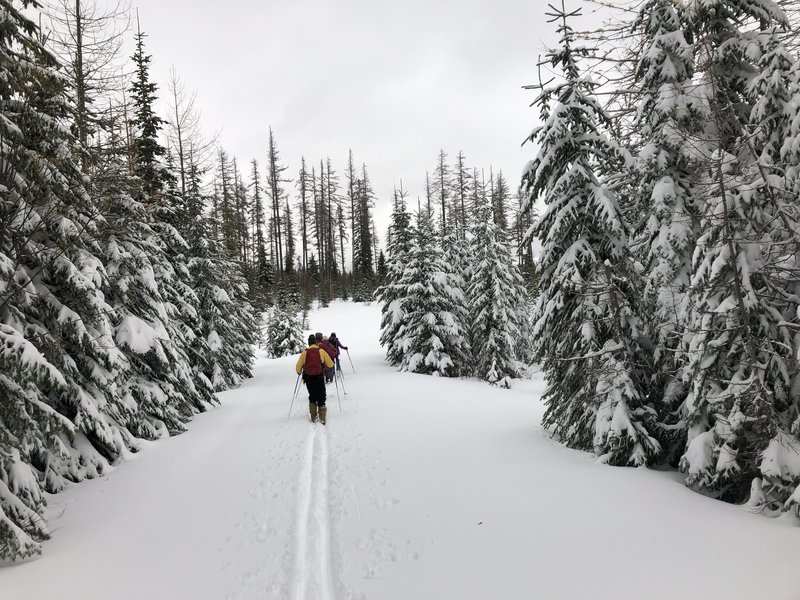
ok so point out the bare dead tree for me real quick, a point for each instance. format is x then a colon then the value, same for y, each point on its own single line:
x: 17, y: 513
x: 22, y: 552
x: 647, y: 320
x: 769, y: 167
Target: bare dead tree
x: 184, y: 133
x: 88, y: 41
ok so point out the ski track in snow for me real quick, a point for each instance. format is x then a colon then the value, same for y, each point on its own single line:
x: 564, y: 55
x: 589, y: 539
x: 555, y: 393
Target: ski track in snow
x: 311, y: 577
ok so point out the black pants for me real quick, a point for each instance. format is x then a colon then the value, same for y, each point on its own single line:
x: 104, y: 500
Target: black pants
x: 316, y: 388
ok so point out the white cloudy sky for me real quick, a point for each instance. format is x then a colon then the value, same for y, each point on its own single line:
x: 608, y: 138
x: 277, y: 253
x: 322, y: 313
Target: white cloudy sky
x: 393, y: 80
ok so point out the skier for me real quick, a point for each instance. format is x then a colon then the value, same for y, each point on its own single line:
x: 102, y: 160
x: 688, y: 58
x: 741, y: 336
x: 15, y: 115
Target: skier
x: 312, y: 363
x: 336, y: 343
x: 333, y: 352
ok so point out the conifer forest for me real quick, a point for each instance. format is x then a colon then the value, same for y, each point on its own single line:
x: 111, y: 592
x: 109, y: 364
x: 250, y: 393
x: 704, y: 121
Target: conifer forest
x: 647, y: 260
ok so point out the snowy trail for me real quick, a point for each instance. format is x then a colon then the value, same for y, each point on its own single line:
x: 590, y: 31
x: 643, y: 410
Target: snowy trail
x: 312, y: 562
x: 301, y: 549
x: 422, y: 488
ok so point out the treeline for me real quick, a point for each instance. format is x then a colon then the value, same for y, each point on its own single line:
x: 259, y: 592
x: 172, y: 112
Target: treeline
x: 310, y: 237
x: 122, y: 309
x: 668, y: 315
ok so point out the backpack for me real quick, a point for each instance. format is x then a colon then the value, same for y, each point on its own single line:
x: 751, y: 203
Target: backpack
x: 332, y: 350
x: 313, y: 365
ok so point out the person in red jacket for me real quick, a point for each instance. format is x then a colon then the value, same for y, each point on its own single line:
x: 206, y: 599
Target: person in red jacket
x: 336, y: 343
x: 313, y: 363
x: 333, y: 352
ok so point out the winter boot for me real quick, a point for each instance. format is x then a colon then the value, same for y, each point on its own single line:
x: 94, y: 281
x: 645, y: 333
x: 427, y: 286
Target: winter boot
x: 312, y: 408
x: 323, y: 412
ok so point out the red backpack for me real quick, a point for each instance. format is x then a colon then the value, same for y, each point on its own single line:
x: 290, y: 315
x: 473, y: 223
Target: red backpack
x: 332, y: 350
x: 313, y: 365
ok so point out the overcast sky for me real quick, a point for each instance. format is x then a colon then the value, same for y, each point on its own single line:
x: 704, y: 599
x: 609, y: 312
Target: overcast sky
x: 393, y: 80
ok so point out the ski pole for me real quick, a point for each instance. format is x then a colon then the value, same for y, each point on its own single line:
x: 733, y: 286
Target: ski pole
x: 351, y: 361
x: 294, y: 395
x: 336, y: 383
x: 343, y: 388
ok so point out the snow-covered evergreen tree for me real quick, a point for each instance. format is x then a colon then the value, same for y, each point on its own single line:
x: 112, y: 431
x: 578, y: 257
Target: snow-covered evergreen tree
x: 664, y: 203
x: 496, y: 301
x: 228, y: 325
x: 433, y: 336
x: 283, y: 334
x: 586, y: 330
x: 500, y: 195
x: 391, y: 294
x: 57, y: 358
x: 780, y: 78
x: 159, y: 195
x: 149, y: 392
x: 456, y: 269
x: 739, y: 351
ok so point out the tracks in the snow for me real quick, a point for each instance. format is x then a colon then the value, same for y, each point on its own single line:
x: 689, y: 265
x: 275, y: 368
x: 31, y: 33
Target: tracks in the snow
x: 312, y: 573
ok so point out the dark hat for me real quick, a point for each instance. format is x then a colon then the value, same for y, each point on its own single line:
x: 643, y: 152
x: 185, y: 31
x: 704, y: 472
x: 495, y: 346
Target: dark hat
x: 312, y: 339
x: 333, y: 335
x: 318, y: 336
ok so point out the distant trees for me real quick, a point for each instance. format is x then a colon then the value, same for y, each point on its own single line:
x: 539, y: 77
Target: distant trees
x: 452, y: 296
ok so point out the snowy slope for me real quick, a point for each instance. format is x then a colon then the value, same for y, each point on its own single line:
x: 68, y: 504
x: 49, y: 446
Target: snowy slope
x: 421, y: 488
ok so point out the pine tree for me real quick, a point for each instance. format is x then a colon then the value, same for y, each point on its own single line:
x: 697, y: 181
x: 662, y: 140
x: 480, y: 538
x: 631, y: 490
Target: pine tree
x: 586, y: 331
x: 382, y: 270
x: 525, y: 216
x: 441, y: 188
x: 461, y: 192
x: 159, y: 195
x: 496, y: 302
x: 289, y: 229
x: 363, y: 273
x: 304, y: 184
x: 228, y: 324
x: 500, y: 195
x: 147, y: 151
x: 150, y: 394
x: 392, y: 294
x: 57, y: 359
x: 260, y: 286
x: 275, y: 194
x: 432, y: 340
x: 781, y: 76
x: 739, y: 357
x: 227, y: 204
x: 283, y: 334
x: 664, y: 196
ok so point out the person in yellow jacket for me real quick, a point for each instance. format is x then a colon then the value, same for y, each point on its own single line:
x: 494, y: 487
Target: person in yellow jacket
x: 312, y: 364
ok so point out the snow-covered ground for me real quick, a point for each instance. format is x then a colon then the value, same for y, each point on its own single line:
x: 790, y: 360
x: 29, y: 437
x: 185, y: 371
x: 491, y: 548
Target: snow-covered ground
x: 420, y: 488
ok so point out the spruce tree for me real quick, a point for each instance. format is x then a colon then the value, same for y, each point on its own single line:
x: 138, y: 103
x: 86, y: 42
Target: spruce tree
x: 260, y: 289
x: 391, y: 294
x: 441, y: 188
x: 496, y: 302
x: 664, y: 198
x: 275, y: 193
x: 382, y: 270
x: 740, y: 364
x: 159, y: 195
x: 58, y: 365
x: 363, y: 272
x: 228, y: 323
x: 500, y: 195
x: 432, y: 339
x: 131, y: 252
x: 461, y: 188
x: 586, y: 331
x: 283, y: 334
